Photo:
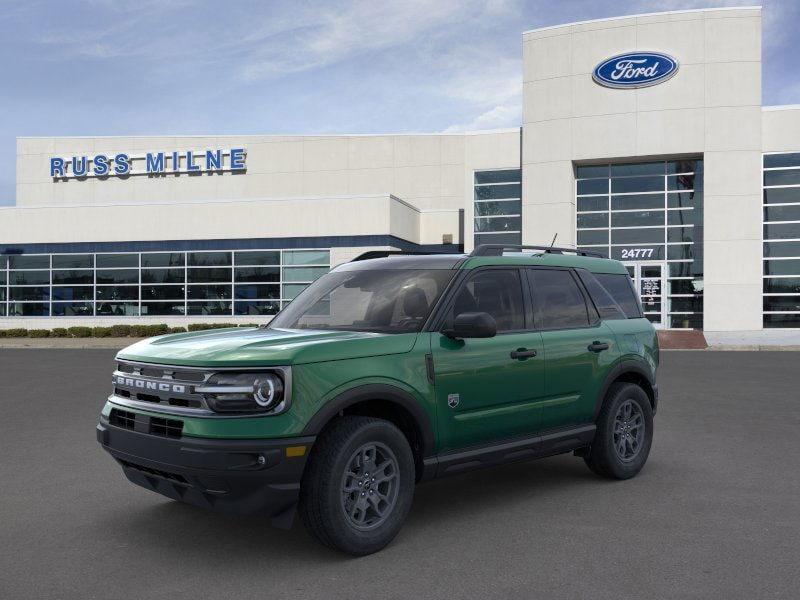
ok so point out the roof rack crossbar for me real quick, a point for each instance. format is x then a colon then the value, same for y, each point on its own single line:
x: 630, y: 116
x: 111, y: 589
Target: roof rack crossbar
x: 498, y: 249
x: 384, y: 253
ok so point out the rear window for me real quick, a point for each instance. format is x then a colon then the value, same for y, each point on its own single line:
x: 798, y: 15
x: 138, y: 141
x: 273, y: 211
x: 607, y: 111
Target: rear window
x: 620, y: 289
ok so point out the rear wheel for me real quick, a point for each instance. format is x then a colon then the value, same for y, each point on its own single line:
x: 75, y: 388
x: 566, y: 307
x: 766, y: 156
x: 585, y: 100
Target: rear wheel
x: 624, y: 433
x: 357, y: 489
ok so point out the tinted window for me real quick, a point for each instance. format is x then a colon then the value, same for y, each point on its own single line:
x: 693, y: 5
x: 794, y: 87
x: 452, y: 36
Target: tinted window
x: 112, y: 261
x: 605, y: 303
x: 621, y: 290
x: 496, y: 292
x: 558, y: 300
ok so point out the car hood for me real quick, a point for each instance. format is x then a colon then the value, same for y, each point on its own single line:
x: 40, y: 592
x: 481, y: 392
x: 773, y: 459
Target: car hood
x: 255, y: 346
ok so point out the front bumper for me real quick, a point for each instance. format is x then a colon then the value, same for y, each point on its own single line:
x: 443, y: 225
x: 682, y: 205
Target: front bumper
x: 245, y: 477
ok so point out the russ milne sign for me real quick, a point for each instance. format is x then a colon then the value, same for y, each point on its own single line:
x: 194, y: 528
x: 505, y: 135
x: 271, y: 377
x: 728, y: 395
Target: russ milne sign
x: 151, y: 163
x: 635, y: 70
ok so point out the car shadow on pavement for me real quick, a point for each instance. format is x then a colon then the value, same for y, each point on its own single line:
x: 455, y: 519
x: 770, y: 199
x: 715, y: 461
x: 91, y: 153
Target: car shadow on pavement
x: 487, y: 493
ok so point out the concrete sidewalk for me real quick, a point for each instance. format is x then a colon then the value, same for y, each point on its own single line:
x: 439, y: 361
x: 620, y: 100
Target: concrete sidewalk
x: 77, y: 343
x: 765, y: 339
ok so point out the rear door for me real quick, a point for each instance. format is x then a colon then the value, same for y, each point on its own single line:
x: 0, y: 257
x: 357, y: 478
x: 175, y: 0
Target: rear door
x: 487, y: 389
x: 578, y: 346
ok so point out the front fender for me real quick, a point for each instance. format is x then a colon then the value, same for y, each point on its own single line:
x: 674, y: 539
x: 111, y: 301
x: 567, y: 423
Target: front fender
x: 361, y: 392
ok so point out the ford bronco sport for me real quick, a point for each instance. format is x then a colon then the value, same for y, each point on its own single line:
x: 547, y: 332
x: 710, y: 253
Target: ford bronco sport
x: 386, y: 372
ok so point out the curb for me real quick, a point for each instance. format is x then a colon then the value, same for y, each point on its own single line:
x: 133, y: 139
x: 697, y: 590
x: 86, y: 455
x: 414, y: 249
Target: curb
x: 68, y: 343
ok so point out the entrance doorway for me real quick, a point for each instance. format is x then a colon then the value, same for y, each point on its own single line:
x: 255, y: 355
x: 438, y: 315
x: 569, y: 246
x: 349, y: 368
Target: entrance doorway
x: 649, y: 280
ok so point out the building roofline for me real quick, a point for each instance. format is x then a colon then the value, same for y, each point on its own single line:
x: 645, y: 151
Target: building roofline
x: 386, y: 195
x: 265, y: 135
x: 781, y: 107
x: 651, y: 14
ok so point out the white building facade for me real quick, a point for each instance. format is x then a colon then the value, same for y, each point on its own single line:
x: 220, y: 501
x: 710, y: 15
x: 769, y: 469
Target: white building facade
x: 664, y: 158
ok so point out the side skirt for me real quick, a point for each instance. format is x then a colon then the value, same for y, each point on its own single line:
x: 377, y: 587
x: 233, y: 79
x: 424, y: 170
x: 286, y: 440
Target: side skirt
x: 538, y: 446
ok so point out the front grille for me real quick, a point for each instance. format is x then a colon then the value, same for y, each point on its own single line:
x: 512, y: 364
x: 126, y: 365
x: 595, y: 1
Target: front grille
x: 166, y: 427
x: 162, y: 385
x: 162, y: 372
x: 171, y: 428
x: 122, y: 418
x: 157, y: 472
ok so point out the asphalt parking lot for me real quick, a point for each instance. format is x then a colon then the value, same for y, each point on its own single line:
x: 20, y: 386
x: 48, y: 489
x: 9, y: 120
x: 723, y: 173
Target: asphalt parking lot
x: 714, y: 514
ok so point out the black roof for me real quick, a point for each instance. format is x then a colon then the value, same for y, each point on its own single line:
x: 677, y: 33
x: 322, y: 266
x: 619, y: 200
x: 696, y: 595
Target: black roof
x: 406, y: 261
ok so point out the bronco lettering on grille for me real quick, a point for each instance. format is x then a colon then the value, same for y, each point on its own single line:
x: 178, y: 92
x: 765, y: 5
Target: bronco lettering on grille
x: 144, y: 384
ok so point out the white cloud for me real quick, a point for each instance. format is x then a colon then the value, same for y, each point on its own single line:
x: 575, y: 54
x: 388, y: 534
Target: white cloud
x: 329, y: 35
x: 497, y: 117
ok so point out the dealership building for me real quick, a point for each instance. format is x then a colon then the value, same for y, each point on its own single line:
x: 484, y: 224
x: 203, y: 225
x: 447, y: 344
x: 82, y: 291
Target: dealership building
x: 642, y: 138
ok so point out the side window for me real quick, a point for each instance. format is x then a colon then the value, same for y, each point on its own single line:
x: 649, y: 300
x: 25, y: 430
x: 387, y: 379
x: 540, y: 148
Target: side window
x: 558, y: 300
x: 620, y: 287
x: 606, y: 305
x: 497, y: 292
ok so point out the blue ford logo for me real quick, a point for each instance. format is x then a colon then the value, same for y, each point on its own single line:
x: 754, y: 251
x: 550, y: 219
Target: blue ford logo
x: 635, y: 70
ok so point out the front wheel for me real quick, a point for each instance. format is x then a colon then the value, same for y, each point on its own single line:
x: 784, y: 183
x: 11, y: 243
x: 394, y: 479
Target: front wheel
x: 357, y: 489
x: 624, y: 433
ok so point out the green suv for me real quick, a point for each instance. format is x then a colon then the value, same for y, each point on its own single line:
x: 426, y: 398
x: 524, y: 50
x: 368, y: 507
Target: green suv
x: 386, y: 372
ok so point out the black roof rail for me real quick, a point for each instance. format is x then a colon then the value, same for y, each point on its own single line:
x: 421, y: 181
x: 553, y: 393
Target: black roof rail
x: 498, y: 249
x: 384, y: 253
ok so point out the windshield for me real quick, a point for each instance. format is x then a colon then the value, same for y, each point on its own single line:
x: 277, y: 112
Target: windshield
x: 381, y: 301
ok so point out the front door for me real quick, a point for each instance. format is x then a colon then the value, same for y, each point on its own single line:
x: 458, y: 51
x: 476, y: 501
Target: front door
x: 649, y: 279
x: 489, y: 388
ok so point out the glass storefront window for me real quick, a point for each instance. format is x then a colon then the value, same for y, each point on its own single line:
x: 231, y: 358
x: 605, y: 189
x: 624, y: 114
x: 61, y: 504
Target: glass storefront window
x: 306, y: 257
x: 117, y: 276
x: 29, y: 277
x: 781, y: 298
x: 83, y: 292
x: 648, y: 212
x: 209, y: 259
x: 117, y: 261
x: 497, y: 207
x: 156, y: 283
x: 73, y: 309
x: 73, y: 261
x: 73, y: 277
x: 163, y: 259
x: 163, y: 276
x: 256, y: 308
x: 33, y: 261
x: 258, y: 258
x: 209, y: 292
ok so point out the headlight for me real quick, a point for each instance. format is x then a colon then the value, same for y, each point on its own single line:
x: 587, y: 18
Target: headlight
x: 243, y: 392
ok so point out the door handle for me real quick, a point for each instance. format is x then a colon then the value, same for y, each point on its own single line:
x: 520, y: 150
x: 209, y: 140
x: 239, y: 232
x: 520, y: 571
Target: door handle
x: 522, y: 353
x: 597, y: 346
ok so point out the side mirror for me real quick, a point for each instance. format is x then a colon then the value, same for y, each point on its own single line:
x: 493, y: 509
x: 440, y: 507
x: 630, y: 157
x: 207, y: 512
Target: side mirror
x: 472, y: 325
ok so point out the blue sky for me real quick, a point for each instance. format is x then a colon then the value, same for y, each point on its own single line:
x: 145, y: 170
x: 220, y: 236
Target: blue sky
x: 152, y: 67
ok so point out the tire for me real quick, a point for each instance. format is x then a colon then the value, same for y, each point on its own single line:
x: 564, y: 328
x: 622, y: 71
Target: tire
x: 342, y: 507
x: 622, y: 443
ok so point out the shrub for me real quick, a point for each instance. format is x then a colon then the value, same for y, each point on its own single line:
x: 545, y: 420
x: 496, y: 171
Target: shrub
x: 120, y: 330
x: 101, y: 332
x: 16, y: 332
x: 149, y: 330
x: 204, y: 326
x: 38, y: 333
x: 59, y: 332
x: 80, y: 332
x: 177, y: 330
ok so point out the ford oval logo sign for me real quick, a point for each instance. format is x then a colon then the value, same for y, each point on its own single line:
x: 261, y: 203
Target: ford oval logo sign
x: 635, y: 70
